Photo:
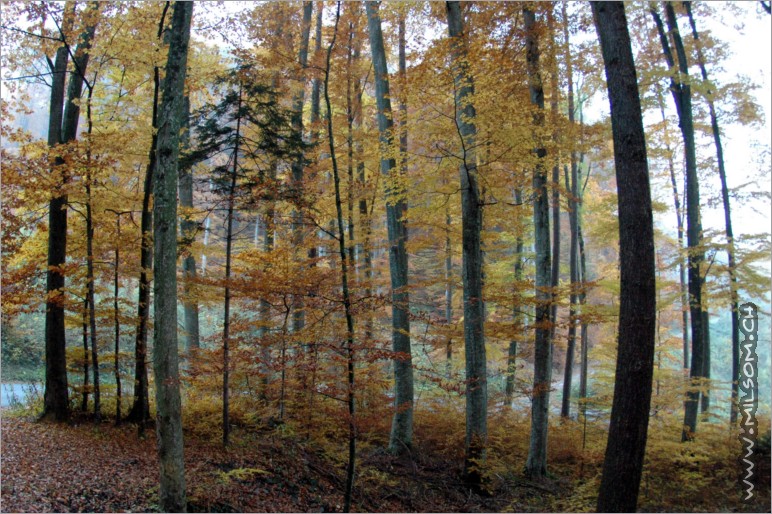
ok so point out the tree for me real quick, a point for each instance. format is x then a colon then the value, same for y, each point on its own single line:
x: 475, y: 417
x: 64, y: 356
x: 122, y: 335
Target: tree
x: 476, y: 385
x: 730, y: 250
x: 623, y: 461
x: 140, y: 409
x: 188, y: 229
x: 396, y: 208
x: 682, y: 97
x: 165, y: 353
x: 349, y: 344
x: 536, y: 465
x: 61, y: 130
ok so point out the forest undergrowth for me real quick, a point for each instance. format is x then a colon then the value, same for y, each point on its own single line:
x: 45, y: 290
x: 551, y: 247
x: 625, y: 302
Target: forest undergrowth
x: 294, y: 466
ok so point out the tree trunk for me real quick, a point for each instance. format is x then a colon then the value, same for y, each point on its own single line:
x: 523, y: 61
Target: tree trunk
x: 165, y: 357
x: 683, y: 100
x: 140, y: 409
x: 349, y: 346
x: 573, y: 217
x: 536, y: 465
x: 117, y: 320
x: 517, y: 314
x: 61, y: 129
x: 730, y: 251
x: 396, y: 208
x: 555, y: 269
x: 298, y: 315
x: 86, y: 357
x: 471, y: 227
x: 188, y: 227
x: 637, y: 312
x: 90, y: 268
x: 680, y: 222
x: 227, y: 303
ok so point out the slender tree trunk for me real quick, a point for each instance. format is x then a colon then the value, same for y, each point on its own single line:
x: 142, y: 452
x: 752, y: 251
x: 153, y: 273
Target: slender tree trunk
x: 626, y: 446
x: 471, y: 227
x: 86, y: 357
x: 683, y: 100
x: 730, y: 250
x: 396, y: 208
x: 349, y: 346
x: 536, y: 465
x: 517, y: 314
x: 140, y: 409
x: 188, y: 227
x: 226, y: 427
x: 117, y: 319
x: 165, y: 357
x: 448, y: 292
x: 680, y: 221
x: 90, y: 267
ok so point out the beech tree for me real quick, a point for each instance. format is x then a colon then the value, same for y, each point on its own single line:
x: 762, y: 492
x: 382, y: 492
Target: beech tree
x: 476, y: 383
x: 623, y: 462
x: 165, y: 353
x: 536, y: 465
x: 396, y: 208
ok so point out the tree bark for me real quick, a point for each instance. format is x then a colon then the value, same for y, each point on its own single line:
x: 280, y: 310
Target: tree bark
x: 471, y: 227
x: 188, y: 227
x: 165, y: 357
x: 61, y: 129
x: 536, y: 464
x: 683, y: 100
x: 637, y: 313
x: 401, y: 437
x: 140, y: 409
x: 349, y: 346
x: 730, y: 250
x: 517, y: 314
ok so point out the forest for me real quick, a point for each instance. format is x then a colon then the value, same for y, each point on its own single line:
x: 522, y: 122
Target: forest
x: 397, y: 256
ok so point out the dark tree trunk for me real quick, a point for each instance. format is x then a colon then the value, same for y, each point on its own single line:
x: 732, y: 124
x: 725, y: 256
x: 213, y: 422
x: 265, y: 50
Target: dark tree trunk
x: 637, y: 313
x: 90, y: 269
x: 536, y: 464
x: 471, y: 227
x: 683, y: 100
x: 349, y: 346
x: 140, y: 409
x: 730, y: 251
x: 165, y: 354
x: 396, y: 207
x: 86, y: 357
x: 117, y: 321
x: 61, y: 129
x: 226, y: 426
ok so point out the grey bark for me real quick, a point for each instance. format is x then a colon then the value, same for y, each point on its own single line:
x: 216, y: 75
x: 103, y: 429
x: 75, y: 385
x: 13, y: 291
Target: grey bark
x: 401, y: 437
x: 628, y: 427
x: 471, y: 227
x: 536, y: 464
x: 165, y: 354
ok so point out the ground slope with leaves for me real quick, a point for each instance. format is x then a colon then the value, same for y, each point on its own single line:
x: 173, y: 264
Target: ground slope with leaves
x: 60, y: 468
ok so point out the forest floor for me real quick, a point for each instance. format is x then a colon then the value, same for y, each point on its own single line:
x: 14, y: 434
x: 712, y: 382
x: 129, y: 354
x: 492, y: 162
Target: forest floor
x: 83, y: 468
